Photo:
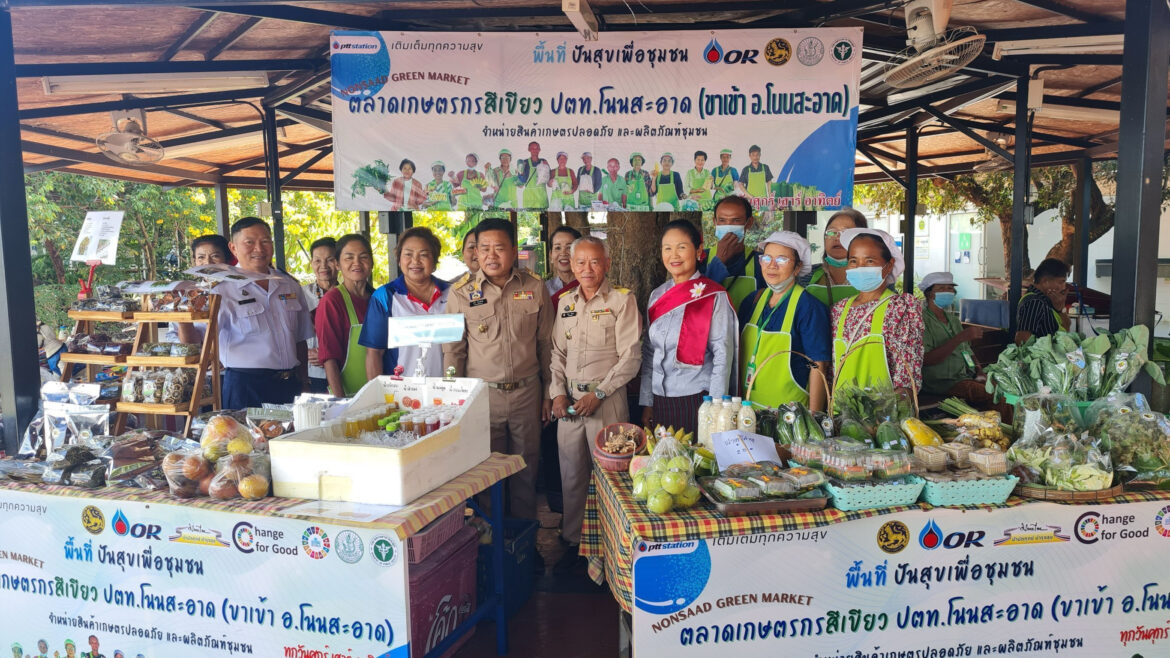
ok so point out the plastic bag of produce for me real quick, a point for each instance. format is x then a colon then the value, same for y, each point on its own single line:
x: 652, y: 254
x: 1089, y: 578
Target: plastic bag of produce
x: 1047, y: 410
x: 187, y: 473
x: 1029, y: 457
x: 668, y: 481
x: 1137, y: 438
x: 244, y: 475
x: 1076, y: 465
x: 890, y: 437
x: 223, y: 435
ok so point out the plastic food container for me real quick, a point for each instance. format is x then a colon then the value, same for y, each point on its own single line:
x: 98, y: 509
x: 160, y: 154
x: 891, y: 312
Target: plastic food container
x: 848, y: 462
x: 808, y: 453
x: 889, y: 464
x: 803, y: 478
x: 734, y: 489
x: 773, y: 485
x: 959, y: 453
x: 989, y: 461
x: 742, y: 471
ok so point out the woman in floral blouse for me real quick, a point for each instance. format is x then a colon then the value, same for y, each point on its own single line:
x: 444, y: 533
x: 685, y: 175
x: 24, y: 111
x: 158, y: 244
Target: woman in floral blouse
x: 877, y: 338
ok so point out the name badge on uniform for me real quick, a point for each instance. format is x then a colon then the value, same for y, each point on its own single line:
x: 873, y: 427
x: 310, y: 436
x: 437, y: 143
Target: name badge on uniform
x: 570, y: 314
x: 525, y: 295
x: 477, y: 302
x: 245, y: 301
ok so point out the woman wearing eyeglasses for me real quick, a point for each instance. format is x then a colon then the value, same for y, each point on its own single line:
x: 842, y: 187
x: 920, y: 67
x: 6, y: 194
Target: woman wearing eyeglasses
x: 828, y: 282
x: 783, y: 321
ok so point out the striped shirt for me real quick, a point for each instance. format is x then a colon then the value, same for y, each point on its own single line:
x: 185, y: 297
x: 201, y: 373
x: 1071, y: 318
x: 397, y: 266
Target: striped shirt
x: 1036, y: 314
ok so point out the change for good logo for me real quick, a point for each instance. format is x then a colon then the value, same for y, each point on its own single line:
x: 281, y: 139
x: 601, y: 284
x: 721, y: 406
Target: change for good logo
x: 670, y: 577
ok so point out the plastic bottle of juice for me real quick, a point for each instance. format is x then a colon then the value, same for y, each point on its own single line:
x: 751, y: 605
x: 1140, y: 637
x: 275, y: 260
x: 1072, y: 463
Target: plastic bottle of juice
x: 726, y: 419
x: 704, y: 424
x: 746, y: 421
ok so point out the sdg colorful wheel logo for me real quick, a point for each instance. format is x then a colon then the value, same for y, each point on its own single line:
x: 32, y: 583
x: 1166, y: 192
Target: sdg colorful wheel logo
x: 1162, y: 519
x: 670, y: 576
x: 315, y: 542
x: 360, y: 64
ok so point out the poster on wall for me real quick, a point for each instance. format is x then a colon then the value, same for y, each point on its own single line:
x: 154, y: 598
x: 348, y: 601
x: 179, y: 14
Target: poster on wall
x: 635, y: 120
x: 94, y: 577
x: 1040, y: 579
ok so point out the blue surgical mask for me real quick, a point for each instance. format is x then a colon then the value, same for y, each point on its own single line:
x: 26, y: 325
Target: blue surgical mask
x: 724, y: 229
x: 782, y: 286
x: 944, y: 299
x: 865, y: 279
x: 836, y: 262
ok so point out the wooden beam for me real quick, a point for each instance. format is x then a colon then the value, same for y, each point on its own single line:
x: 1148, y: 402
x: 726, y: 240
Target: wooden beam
x: 188, y: 35
x: 230, y: 40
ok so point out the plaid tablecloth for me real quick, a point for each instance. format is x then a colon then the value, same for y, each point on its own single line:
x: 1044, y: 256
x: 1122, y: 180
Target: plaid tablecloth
x: 405, y: 521
x: 615, y: 522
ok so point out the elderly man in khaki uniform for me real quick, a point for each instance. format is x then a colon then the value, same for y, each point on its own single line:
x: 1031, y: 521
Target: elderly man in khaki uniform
x: 508, y: 319
x: 596, y: 351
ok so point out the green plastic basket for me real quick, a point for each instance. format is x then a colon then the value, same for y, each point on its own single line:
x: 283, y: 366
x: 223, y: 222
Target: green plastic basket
x: 848, y: 499
x: 969, y: 492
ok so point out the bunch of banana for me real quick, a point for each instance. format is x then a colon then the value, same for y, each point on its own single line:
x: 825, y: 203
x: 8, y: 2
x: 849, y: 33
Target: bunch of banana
x: 684, y: 437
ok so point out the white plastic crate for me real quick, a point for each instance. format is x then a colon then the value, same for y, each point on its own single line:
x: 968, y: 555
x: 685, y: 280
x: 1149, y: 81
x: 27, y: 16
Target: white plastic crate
x: 304, y: 466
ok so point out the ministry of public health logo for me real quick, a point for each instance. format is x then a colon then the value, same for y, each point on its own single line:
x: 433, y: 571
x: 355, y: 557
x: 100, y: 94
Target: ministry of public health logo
x: 315, y: 542
x: 93, y: 520
x: 349, y: 547
x: 810, y: 51
x: 893, y: 536
x: 778, y: 52
x: 382, y: 550
x: 842, y: 50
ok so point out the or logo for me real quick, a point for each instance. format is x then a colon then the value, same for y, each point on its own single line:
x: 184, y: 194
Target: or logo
x: 93, y: 520
x: 932, y: 537
x: 1031, y: 533
x: 382, y: 550
x: 123, y: 527
x: 315, y: 541
x: 196, y: 534
x: 893, y: 536
x: 350, y: 547
x: 810, y: 51
x: 714, y: 53
x: 842, y: 50
x: 778, y: 52
x: 1162, y: 522
x: 670, y: 576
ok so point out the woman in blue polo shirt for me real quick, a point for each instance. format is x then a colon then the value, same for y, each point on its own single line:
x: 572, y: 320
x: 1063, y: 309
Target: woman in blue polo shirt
x: 780, y: 318
x: 416, y: 291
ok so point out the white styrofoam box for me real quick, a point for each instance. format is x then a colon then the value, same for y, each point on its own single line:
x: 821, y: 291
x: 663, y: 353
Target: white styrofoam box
x: 305, y: 466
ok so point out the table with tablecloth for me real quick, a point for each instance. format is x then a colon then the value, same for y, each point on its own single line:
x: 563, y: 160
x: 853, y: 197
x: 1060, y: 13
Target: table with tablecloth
x: 615, y: 522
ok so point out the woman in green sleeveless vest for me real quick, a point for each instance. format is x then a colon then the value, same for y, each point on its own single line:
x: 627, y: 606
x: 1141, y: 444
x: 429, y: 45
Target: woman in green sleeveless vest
x: 784, y: 331
x: 877, y: 339
x: 699, y: 184
x: 588, y: 182
x: 562, y: 184
x: 637, y: 185
x: 504, y: 181
x: 469, y: 186
x: 438, y: 191
x: 724, y: 177
x: 341, y: 314
x: 667, y: 185
x: 828, y: 282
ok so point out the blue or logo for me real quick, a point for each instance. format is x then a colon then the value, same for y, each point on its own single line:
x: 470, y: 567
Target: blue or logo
x: 360, y: 63
x: 933, y: 537
x: 670, y: 576
x: 714, y: 53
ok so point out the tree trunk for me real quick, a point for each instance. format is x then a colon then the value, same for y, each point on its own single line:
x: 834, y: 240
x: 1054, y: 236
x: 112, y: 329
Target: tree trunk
x: 55, y: 259
x: 1101, y: 217
x: 633, y: 240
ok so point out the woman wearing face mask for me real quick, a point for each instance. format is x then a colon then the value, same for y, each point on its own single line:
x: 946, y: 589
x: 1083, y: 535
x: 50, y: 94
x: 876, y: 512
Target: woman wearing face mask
x: 877, y: 334
x: 949, y: 367
x: 828, y: 282
x: 784, y: 318
x: 680, y: 367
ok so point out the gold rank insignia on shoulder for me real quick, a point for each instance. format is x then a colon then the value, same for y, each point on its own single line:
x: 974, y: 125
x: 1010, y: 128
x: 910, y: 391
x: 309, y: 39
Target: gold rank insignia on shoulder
x: 624, y: 291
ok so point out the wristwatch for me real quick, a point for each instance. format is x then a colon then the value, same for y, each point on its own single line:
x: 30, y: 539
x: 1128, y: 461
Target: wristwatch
x: 600, y: 394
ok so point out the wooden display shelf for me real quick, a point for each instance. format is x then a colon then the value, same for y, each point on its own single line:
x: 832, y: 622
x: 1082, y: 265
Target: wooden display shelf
x: 101, y: 316
x: 94, y: 359
x: 164, y: 361
x: 180, y: 409
x: 171, y: 316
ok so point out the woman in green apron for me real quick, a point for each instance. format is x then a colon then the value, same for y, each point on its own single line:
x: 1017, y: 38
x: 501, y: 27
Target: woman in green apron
x: 469, y: 186
x: 828, y: 282
x: 877, y: 339
x: 613, y: 185
x: 784, y: 331
x: 340, y: 316
x: 667, y: 185
x: 637, y: 184
x: 504, y: 182
x: 699, y: 184
x: 534, y: 175
x: 438, y: 191
x: 588, y: 182
x: 724, y: 177
x: 563, y: 184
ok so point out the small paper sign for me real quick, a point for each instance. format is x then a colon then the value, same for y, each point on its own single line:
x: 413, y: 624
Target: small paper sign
x: 739, y: 447
x: 424, y: 329
x: 98, y: 238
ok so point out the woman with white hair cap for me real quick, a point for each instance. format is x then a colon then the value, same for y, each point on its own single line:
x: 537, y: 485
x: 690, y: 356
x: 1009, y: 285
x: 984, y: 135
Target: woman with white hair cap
x: 949, y: 367
x: 877, y: 339
x: 780, y: 318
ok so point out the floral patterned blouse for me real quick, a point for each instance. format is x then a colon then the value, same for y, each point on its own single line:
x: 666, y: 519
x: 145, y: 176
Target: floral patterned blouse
x: 902, y: 330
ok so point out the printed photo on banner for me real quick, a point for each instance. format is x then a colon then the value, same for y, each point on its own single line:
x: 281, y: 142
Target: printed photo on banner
x: 654, y: 121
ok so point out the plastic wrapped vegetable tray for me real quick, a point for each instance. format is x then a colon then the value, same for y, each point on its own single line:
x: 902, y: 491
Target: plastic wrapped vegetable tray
x: 988, y: 491
x: 873, y: 496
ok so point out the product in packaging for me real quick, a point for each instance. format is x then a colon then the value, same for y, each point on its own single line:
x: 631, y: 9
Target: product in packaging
x: 932, y: 458
x: 65, y: 423
x: 773, y: 485
x: 91, y: 474
x: 989, y: 461
x: 889, y: 464
x: 736, y: 490
x: 958, y: 452
x: 187, y: 473
x: 241, y: 475
x: 223, y: 435
x: 668, y: 481
x: 803, y: 479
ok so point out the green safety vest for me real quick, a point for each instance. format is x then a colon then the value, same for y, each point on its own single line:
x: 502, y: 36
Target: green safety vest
x: 637, y: 196
x: 666, y: 191
x: 862, y: 363
x: 828, y: 292
x: 774, y: 382
x: 739, y: 287
x: 353, y: 371
x: 472, y: 198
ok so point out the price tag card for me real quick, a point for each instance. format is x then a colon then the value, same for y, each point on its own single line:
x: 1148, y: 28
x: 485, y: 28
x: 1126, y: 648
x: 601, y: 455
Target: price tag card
x: 424, y: 329
x: 739, y: 447
x: 98, y: 238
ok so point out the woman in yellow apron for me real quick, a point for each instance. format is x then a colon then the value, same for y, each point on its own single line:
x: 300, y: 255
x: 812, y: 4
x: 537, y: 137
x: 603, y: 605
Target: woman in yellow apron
x: 828, y: 282
x: 340, y: 316
x: 562, y: 184
x: 877, y: 339
x: 667, y: 185
x: 469, y: 185
x: 504, y: 182
x: 782, y: 329
x: 637, y: 184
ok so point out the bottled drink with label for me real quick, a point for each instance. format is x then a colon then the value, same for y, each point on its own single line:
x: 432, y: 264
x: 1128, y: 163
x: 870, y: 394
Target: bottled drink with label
x: 746, y: 420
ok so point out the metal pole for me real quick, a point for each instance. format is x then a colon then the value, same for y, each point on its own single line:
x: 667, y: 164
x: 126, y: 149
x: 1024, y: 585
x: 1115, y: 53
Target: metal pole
x: 1023, y: 174
x: 1139, y: 166
x: 1082, y: 213
x: 272, y: 171
x: 223, y: 221
x: 19, y: 389
x: 911, y: 207
x: 364, y: 223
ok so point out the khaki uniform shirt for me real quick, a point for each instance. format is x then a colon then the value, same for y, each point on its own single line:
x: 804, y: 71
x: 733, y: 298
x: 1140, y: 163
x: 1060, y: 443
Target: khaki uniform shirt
x: 595, y: 342
x: 506, y: 330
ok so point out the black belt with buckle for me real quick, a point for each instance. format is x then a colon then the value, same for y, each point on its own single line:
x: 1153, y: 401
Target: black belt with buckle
x: 510, y: 386
x: 265, y: 372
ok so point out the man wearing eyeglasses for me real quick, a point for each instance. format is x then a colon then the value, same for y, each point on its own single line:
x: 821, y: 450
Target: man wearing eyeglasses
x: 730, y: 263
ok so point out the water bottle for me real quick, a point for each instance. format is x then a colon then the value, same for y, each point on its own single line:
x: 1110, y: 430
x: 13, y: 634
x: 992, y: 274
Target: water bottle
x: 704, y: 424
x: 746, y: 421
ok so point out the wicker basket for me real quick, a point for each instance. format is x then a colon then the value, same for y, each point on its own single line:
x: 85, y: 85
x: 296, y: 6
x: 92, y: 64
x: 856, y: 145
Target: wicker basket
x: 848, y: 499
x: 609, y: 461
x: 1040, y: 492
x: 992, y: 491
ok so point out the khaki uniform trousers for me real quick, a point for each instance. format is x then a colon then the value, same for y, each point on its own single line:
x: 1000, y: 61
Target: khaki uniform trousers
x: 515, y: 430
x: 575, y: 441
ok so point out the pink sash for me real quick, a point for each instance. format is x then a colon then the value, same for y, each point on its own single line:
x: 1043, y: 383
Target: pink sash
x: 698, y: 295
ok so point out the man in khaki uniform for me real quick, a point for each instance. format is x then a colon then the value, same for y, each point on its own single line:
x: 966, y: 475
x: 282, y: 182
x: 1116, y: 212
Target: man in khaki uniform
x: 596, y: 351
x: 508, y: 319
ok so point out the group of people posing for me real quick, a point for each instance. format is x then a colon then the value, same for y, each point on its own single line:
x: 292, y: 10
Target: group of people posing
x: 534, y: 183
